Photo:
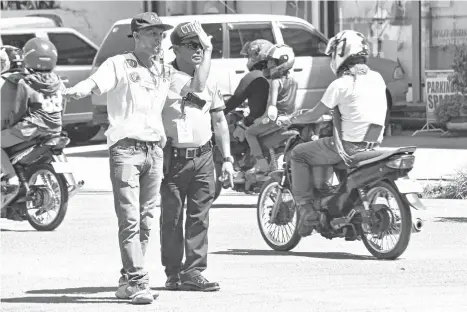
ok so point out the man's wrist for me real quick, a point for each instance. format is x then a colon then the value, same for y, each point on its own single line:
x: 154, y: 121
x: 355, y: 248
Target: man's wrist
x: 229, y: 158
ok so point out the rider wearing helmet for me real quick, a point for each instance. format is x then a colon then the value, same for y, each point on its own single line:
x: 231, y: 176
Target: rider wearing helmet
x: 359, y: 101
x: 283, y: 88
x: 39, y: 92
x: 253, y: 87
x: 14, y: 58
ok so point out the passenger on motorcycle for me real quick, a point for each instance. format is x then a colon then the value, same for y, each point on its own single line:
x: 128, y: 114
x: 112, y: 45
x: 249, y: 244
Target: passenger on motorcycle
x: 39, y: 92
x: 253, y: 87
x: 359, y: 102
x: 282, y: 92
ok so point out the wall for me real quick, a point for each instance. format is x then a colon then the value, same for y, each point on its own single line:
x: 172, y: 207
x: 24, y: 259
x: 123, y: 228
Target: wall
x: 91, y: 18
x: 445, y: 27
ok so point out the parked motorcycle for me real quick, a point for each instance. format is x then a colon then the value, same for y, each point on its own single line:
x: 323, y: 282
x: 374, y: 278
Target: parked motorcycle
x: 272, y: 143
x: 373, y: 200
x: 46, y: 176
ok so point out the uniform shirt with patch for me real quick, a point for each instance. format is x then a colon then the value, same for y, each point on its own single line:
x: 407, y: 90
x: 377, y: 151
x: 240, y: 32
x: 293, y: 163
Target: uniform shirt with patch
x: 193, y: 128
x: 135, y: 97
x: 361, y: 102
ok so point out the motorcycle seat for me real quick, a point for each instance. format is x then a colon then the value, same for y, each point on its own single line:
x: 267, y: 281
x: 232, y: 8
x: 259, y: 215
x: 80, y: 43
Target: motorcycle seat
x: 24, y: 145
x: 375, y: 155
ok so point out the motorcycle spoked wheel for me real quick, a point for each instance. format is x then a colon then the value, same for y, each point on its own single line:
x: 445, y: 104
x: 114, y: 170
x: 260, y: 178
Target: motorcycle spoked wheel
x: 392, y: 225
x: 283, y: 234
x: 47, y: 209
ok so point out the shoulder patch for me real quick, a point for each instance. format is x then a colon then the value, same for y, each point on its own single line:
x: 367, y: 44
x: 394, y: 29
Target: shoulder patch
x: 131, y: 63
x: 134, y: 76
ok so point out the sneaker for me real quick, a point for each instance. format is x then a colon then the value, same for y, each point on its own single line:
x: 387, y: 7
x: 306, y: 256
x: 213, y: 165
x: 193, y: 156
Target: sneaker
x: 122, y: 286
x: 139, y: 294
x: 199, y: 283
x: 173, y: 282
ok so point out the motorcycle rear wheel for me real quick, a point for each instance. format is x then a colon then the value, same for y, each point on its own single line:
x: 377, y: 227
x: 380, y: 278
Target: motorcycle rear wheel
x: 403, y: 228
x: 55, y: 185
x: 266, y: 227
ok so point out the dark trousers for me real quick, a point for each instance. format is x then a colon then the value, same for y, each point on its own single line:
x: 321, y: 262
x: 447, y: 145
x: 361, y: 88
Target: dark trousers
x: 193, y: 180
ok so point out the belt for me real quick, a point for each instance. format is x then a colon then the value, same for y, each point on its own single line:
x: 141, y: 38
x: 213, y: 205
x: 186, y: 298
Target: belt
x: 191, y: 152
x: 138, y: 144
x: 366, y: 145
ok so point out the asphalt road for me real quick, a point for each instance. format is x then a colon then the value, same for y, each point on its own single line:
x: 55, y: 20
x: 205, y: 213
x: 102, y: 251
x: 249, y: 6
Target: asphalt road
x: 76, y: 267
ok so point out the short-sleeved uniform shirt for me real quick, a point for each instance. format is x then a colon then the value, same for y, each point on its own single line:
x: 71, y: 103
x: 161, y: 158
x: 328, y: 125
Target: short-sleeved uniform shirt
x: 185, y: 123
x: 135, y: 97
x: 361, y: 101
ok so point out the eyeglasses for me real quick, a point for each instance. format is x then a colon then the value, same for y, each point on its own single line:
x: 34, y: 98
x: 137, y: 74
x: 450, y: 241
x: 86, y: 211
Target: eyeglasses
x: 193, y: 46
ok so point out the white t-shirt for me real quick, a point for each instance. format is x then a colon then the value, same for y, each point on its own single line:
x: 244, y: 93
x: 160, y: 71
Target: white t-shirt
x: 135, y: 98
x: 361, y: 102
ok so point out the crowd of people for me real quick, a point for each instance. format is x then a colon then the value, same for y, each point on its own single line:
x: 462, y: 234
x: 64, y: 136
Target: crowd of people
x: 162, y: 121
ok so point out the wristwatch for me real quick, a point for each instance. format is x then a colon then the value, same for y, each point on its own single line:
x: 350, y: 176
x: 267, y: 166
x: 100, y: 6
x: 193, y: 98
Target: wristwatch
x: 229, y: 159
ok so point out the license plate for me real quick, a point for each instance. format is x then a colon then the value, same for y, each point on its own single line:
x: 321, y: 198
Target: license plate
x: 62, y: 167
x: 407, y: 186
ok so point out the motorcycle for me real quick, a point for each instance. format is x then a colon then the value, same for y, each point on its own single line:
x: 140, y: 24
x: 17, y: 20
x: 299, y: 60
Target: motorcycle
x: 46, y: 177
x: 372, y: 200
x: 272, y: 144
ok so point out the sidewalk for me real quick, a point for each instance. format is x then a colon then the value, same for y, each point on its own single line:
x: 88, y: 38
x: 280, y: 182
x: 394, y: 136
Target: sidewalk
x: 436, y: 158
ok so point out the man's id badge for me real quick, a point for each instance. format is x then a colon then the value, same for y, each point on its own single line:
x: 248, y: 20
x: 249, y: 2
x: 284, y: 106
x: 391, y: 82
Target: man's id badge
x: 184, y: 131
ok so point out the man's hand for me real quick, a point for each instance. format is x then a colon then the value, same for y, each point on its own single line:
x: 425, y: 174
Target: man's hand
x: 204, y: 39
x: 72, y: 93
x: 228, y: 172
x: 283, y: 121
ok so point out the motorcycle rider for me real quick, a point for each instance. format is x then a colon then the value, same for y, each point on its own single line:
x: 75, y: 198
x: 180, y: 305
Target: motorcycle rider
x: 282, y: 92
x: 359, y: 102
x: 39, y: 97
x: 253, y: 87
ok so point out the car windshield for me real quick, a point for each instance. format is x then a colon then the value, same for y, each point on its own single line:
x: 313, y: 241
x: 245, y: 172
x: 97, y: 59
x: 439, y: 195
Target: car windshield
x: 117, y: 42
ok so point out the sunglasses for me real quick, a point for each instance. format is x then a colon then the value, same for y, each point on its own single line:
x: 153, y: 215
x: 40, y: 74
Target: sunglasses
x: 193, y: 46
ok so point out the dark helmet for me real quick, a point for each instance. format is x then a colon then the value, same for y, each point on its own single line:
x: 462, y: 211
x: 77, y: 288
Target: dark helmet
x: 15, y: 56
x: 40, y: 54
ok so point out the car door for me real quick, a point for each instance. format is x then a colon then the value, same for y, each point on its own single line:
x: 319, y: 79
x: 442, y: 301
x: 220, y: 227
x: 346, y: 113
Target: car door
x: 75, y: 56
x: 238, y: 35
x: 311, y: 68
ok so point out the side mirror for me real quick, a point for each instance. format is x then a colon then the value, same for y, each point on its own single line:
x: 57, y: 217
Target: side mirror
x: 322, y: 47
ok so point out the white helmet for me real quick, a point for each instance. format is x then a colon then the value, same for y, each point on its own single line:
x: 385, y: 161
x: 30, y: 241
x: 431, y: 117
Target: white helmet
x: 285, y: 59
x: 344, y: 45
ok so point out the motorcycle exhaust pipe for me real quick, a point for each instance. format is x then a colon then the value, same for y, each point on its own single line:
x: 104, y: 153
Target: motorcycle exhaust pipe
x: 417, y: 225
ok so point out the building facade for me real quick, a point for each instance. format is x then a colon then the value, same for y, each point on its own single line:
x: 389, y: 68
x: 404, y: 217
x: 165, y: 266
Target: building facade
x: 420, y: 35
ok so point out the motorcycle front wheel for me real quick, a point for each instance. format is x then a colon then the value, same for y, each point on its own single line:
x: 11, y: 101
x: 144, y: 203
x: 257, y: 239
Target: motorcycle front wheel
x: 388, y: 234
x: 282, y: 234
x: 48, y: 207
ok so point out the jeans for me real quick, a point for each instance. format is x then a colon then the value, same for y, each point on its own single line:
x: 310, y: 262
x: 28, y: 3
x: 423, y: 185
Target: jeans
x: 193, y: 180
x: 136, y: 174
x: 252, y: 134
x: 320, y: 156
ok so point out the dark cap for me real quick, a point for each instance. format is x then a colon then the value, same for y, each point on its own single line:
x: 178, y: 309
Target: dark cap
x: 147, y: 20
x: 182, y: 33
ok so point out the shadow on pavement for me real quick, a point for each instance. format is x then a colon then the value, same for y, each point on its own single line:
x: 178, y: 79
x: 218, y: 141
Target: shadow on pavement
x: 77, y: 290
x: 318, y: 255
x: 64, y: 299
x: 452, y: 219
x: 8, y: 230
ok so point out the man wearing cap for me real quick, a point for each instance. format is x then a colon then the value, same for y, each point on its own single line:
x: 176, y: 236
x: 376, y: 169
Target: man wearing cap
x: 136, y: 85
x: 190, y: 169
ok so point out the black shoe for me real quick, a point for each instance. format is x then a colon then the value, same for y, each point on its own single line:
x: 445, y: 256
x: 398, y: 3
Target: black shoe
x: 199, y: 283
x: 173, y: 282
x: 308, y: 220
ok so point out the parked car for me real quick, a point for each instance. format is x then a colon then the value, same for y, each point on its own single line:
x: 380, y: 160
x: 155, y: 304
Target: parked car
x: 75, y: 56
x: 231, y: 31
